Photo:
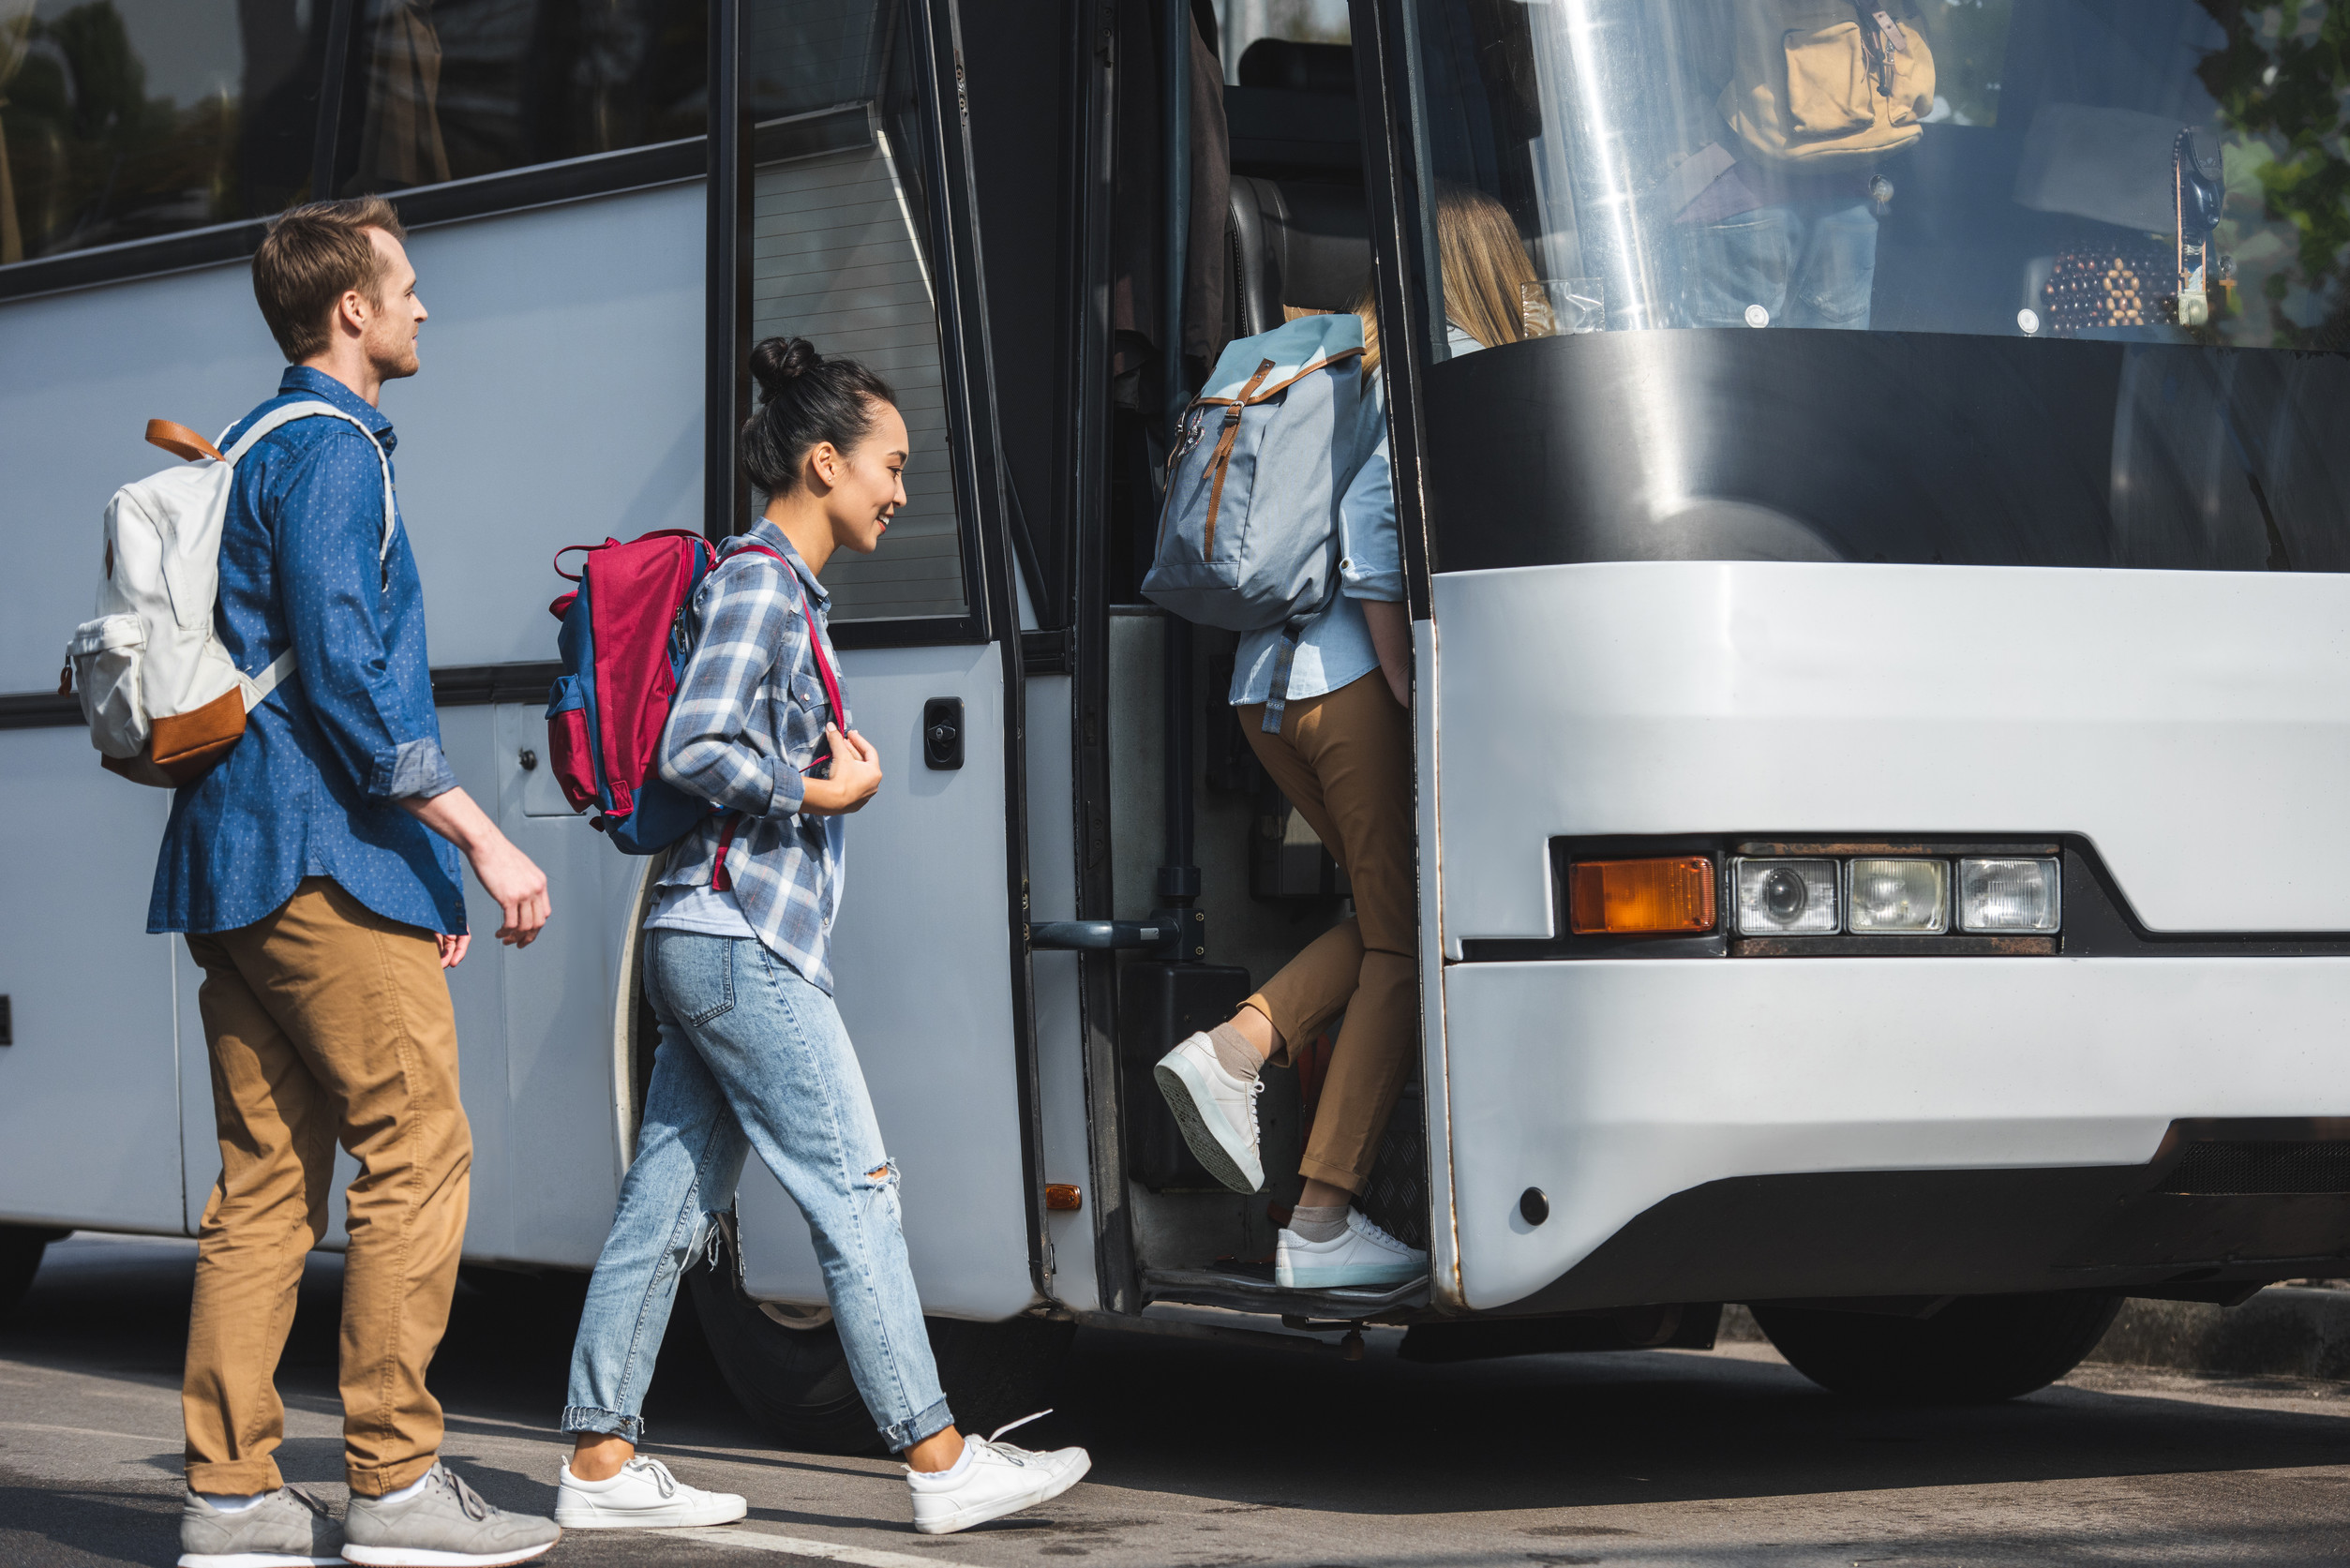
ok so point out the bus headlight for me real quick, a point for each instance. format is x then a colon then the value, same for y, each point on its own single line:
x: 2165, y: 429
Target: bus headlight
x: 1787, y: 898
x: 1890, y: 897
x: 2004, y: 896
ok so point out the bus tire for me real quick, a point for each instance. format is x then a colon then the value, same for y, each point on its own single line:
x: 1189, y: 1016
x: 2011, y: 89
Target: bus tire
x: 1977, y: 1350
x: 20, y: 1249
x: 796, y: 1381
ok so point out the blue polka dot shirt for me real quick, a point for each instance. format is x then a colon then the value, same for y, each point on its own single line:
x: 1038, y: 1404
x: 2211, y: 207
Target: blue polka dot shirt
x: 313, y: 787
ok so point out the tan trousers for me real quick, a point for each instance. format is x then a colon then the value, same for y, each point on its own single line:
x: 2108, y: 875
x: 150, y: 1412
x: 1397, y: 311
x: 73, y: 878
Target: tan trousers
x: 1344, y: 760
x: 327, y: 1024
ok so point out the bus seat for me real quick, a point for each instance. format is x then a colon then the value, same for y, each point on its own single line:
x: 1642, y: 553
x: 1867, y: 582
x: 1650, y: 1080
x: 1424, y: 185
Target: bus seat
x: 1298, y: 67
x: 1295, y: 243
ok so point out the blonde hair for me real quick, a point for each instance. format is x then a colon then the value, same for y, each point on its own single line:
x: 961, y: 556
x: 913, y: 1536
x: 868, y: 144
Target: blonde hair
x: 1485, y: 270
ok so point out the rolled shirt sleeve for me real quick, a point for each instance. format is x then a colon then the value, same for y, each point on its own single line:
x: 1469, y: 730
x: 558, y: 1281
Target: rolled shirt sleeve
x: 751, y: 623
x: 330, y: 559
x: 416, y: 769
x: 1370, y: 544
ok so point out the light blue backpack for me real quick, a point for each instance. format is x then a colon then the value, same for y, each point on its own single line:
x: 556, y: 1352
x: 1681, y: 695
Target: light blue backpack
x: 1249, y: 531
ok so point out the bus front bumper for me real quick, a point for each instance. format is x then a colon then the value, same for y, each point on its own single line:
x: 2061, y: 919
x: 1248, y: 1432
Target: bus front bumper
x: 1783, y: 1129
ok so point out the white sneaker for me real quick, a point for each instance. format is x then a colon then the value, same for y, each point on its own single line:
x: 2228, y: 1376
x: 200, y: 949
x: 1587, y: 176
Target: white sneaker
x: 993, y: 1479
x: 643, y: 1496
x: 1364, y: 1255
x: 1217, y: 1112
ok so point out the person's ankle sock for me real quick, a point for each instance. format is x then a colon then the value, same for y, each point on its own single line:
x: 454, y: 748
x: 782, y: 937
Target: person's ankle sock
x: 1234, y: 1053
x: 232, y: 1502
x: 952, y: 1472
x: 401, y: 1494
x: 1323, y: 1223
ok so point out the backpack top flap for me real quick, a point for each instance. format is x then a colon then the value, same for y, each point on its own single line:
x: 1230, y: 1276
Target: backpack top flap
x: 1305, y: 344
x: 1247, y: 536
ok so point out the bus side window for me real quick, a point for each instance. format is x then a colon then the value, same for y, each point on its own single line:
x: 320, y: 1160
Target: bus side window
x: 128, y: 121
x: 461, y: 88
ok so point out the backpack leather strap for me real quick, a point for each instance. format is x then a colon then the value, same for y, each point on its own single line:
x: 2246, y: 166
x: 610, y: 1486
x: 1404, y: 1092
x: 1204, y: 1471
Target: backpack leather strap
x: 1233, y: 411
x: 180, y: 441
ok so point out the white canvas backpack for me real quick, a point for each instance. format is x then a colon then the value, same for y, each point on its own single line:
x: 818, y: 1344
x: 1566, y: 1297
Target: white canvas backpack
x: 163, y: 699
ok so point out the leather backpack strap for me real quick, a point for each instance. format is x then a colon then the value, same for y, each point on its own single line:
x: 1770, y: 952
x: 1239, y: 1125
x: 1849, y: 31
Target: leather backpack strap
x: 180, y: 441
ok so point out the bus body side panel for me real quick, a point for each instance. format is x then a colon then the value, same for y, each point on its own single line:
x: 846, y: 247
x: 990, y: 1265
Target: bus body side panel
x: 2195, y: 727
x: 559, y: 402
x: 88, y: 1107
x: 1443, y: 1250
x: 1059, y: 1006
x: 1613, y: 1085
x: 923, y: 1002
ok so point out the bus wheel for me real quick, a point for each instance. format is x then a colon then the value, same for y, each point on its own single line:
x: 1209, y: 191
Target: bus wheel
x: 796, y: 1381
x: 1977, y: 1350
x: 20, y: 1249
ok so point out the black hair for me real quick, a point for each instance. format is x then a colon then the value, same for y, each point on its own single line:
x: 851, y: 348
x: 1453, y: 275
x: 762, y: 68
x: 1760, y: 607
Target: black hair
x: 804, y: 400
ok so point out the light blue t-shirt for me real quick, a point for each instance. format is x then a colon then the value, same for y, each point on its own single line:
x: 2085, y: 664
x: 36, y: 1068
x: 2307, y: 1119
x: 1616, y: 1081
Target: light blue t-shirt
x: 1334, y: 648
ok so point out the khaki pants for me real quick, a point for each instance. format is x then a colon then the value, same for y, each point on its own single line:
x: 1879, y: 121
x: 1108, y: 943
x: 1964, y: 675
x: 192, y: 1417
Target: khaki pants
x: 1344, y: 760
x: 326, y: 1022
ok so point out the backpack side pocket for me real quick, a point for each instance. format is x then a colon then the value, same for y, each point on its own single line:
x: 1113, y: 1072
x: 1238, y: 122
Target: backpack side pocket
x: 108, y: 656
x: 569, y: 749
x: 1830, y: 92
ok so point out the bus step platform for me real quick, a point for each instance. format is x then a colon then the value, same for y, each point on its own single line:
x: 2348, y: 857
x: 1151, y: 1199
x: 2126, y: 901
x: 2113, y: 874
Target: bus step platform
x: 1249, y: 1288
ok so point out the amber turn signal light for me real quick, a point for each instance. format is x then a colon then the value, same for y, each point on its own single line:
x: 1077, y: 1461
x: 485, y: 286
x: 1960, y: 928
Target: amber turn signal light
x: 1063, y: 1197
x: 1671, y: 896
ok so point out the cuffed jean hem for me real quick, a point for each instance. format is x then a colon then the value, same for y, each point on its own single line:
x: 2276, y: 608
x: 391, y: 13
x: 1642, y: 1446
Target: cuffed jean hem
x: 903, y: 1435
x: 612, y: 1424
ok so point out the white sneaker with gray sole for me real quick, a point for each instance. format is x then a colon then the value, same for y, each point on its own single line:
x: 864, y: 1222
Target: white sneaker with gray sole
x: 1364, y: 1255
x: 992, y: 1480
x: 285, y: 1530
x: 1216, y: 1111
x: 643, y: 1496
x: 447, y: 1525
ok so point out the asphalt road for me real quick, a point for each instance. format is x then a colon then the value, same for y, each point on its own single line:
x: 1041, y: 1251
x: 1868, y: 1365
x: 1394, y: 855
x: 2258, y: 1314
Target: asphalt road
x: 1208, y: 1456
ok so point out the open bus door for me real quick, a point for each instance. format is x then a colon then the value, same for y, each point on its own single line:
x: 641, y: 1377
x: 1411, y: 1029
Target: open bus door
x: 842, y: 211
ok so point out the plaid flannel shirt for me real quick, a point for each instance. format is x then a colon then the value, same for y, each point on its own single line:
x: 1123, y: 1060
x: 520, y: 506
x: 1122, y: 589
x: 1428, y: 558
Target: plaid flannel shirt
x: 749, y: 715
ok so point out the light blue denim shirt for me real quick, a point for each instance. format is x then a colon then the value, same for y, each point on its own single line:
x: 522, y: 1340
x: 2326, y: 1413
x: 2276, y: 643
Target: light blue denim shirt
x: 1334, y: 651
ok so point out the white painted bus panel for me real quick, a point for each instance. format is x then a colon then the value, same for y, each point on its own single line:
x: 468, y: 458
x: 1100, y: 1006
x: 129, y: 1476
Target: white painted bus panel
x: 920, y: 963
x: 560, y: 402
x: 89, y: 1105
x: 2194, y: 726
x: 1059, y: 1005
x: 1613, y: 1084
x: 563, y: 1168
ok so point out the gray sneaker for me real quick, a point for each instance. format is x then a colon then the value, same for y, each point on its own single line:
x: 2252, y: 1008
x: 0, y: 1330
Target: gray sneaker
x: 447, y: 1525
x: 285, y: 1530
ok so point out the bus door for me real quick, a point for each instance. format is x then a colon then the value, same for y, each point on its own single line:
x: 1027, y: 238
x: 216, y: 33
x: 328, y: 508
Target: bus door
x: 842, y: 212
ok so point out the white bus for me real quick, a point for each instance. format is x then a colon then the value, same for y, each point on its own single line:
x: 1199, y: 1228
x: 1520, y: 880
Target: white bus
x: 1882, y: 644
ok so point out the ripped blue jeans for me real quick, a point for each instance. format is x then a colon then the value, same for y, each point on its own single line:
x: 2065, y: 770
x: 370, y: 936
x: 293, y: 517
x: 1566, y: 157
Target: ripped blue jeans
x: 753, y: 1057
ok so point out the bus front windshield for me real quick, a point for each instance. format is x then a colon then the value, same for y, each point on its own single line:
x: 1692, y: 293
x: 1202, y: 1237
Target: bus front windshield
x: 2160, y: 174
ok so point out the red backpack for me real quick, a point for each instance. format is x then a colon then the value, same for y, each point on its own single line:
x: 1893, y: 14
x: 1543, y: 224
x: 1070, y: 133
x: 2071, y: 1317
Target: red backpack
x: 625, y: 645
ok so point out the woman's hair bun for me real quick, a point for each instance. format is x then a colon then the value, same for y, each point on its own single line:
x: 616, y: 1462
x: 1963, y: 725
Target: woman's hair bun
x: 777, y: 362
x: 805, y: 398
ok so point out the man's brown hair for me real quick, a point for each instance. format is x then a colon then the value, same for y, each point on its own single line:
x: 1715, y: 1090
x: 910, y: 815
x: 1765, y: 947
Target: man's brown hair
x: 311, y: 257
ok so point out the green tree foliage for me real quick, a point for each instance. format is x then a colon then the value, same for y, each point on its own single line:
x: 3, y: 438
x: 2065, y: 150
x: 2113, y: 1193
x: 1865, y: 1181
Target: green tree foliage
x: 2283, y: 80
